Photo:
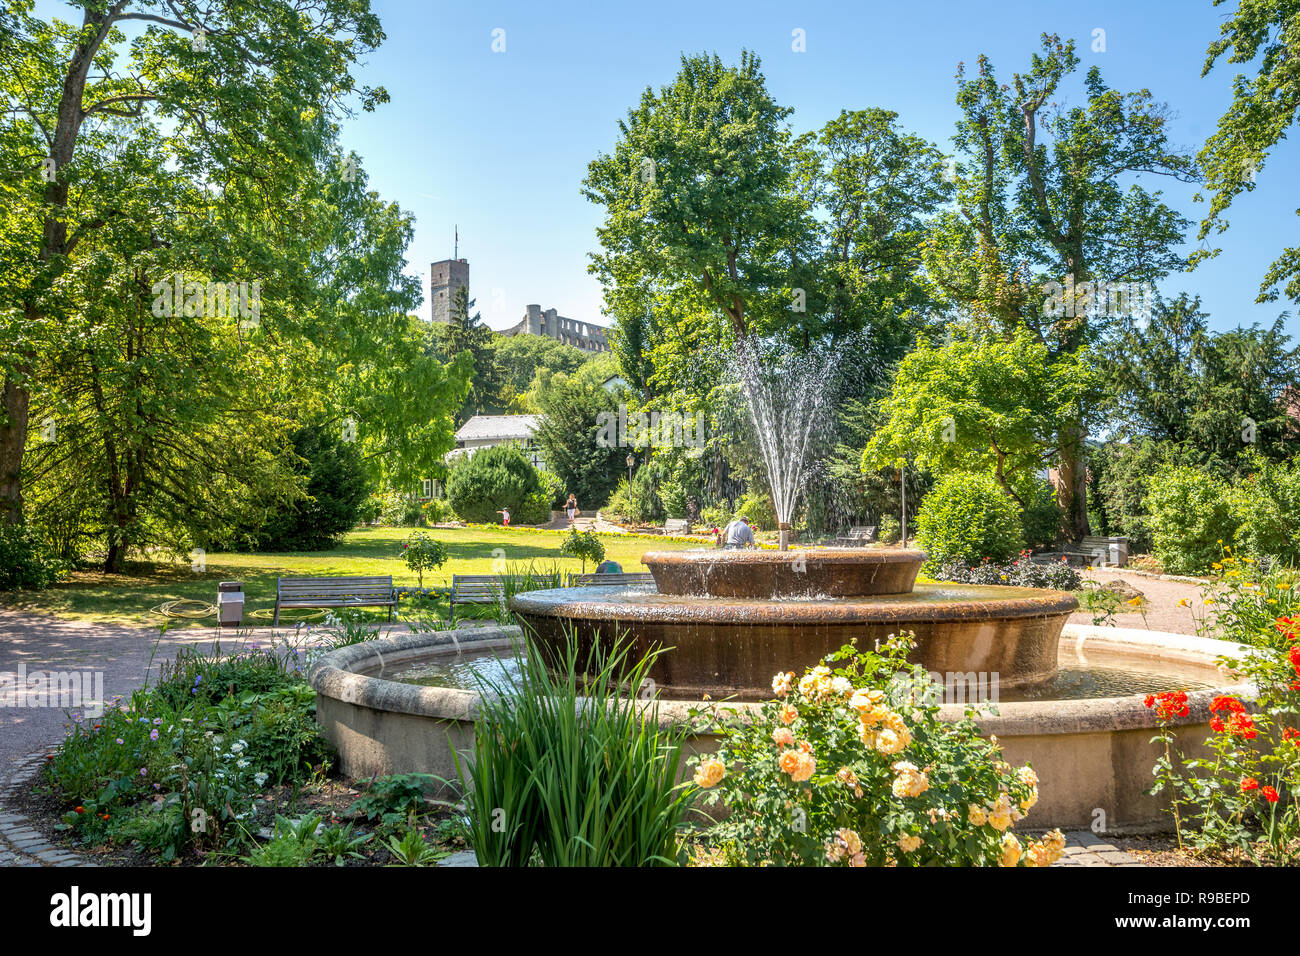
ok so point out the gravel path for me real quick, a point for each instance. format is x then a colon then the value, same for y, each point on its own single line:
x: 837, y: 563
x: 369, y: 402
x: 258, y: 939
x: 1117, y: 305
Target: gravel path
x: 1162, y: 611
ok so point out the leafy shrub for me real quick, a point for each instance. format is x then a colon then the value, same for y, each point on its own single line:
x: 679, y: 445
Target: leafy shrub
x: 422, y: 553
x: 552, y: 489
x: 1267, y: 504
x: 371, y: 509
x: 889, y: 530
x: 585, y: 545
x: 1022, y: 572
x: 25, y: 563
x: 757, y: 507
x: 619, y: 506
x: 1041, y: 519
x: 491, y: 479
x: 536, y: 509
x: 673, y: 496
x: 643, y: 499
x: 395, y: 799
x: 401, y: 510
x: 1192, y: 517
x: 852, y: 766
x: 436, y: 511
x: 571, y: 785
x: 967, y: 518
x: 332, y: 505
x: 716, y: 516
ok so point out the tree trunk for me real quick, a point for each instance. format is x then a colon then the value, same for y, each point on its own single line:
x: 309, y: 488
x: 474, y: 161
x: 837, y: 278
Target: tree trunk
x: 13, y: 441
x: 1072, y: 486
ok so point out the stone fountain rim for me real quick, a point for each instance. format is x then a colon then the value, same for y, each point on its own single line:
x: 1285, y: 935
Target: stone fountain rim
x: 594, y: 602
x: 846, y: 556
x: 332, y: 676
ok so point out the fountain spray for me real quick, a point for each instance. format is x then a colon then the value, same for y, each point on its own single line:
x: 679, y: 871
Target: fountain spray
x: 788, y: 400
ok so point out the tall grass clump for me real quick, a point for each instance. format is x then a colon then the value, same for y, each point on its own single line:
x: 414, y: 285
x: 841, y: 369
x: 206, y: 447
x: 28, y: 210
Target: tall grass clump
x: 568, y: 769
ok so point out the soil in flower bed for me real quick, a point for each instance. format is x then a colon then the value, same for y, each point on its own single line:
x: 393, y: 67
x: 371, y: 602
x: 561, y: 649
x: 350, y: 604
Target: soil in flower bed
x: 331, y: 800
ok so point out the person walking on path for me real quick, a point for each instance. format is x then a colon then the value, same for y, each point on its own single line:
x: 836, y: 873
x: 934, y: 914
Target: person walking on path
x: 571, y: 508
x: 505, y: 516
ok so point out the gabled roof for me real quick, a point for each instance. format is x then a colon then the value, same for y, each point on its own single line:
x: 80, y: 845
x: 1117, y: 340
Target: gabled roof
x: 498, y: 427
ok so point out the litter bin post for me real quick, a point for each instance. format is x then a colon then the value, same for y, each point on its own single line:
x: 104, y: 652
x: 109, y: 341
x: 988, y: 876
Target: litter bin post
x: 230, y: 603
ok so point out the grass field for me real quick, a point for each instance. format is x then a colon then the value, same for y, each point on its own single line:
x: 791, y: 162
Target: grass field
x: 128, y: 598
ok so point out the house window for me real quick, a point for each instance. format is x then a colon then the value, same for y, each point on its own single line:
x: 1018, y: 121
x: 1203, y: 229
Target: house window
x: 426, y: 488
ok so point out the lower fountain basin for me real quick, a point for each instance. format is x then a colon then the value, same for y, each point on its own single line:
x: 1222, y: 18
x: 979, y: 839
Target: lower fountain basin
x: 1093, y: 756
x: 731, y: 647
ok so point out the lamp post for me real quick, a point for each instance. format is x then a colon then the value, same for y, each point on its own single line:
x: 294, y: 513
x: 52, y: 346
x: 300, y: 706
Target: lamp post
x: 631, y: 460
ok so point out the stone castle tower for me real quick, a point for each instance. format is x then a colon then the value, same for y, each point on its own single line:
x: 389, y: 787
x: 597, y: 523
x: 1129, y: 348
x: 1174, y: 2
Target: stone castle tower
x: 445, y: 278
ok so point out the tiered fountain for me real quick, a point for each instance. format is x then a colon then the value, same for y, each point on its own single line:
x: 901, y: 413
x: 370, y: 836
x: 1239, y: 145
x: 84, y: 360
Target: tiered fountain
x: 730, y: 620
x: 733, y: 619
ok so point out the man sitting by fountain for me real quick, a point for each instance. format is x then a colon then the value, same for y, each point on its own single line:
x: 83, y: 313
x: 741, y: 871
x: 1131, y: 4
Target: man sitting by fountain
x: 738, y: 534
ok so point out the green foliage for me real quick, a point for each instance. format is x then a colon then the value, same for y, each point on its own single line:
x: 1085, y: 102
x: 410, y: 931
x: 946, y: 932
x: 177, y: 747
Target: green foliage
x: 520, y: 359
x: 394, y: 799
x: 1191, y: 520
x: 1267, y: 503
x: 1265, y: 102
x: 422, y: 553
x: 411, y: 849
x: 852, y: 766
x: 25, y: 561
x: 889, y: 530
x: 491, y: 479
x: 465, y: 334
x: 160, y: 442
x: 568, y: 784
x: 1213, y: 394
x: 335, y: 490
x: 292, y: 843
x: 579, y: 433
x: 179, y: 765
x: 1041, y: 518
x: 340, y: 843
x: 968, y: 518
x: 585, y: 545
x: 982, y: 403
x: 757, y: 507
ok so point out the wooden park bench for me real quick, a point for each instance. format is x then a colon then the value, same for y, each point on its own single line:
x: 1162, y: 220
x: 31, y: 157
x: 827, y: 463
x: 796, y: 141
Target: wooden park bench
x: 577, y: 580
x: 677, y: 526
x: 1099, y: 550
x: 334, y: 592
x: 474, y: 589
x: 859, y: 536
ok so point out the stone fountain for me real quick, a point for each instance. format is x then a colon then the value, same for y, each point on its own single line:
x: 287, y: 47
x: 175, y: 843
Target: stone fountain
x: 730, y: 620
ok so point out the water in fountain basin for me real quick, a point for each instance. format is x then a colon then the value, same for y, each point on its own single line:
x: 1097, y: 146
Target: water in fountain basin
x: 1102, y: 676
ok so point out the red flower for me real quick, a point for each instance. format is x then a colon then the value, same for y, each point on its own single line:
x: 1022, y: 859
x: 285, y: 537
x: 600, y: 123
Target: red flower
x: 1249, y: 784
x: 1289, y: 626
x: 1230, y: 704
x: 1243, y: 726
x: 79, y: 810
x: 1216, y: 724
x: 1168, y: 704
x: 1269, y: 794
x: 1292, y: 734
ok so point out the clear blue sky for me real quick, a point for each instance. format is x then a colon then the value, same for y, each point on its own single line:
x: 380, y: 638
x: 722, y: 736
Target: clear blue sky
x: 498, y: 143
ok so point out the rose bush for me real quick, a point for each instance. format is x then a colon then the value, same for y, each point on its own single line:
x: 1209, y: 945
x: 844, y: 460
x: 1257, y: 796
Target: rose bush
x: 850, y: 765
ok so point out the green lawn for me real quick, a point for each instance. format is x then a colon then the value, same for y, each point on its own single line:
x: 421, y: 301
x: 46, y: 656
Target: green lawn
x: 128, y: 598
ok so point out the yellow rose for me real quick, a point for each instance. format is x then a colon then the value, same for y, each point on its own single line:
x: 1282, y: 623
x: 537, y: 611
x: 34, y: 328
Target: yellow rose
x: 1010, y: 850
x: 709, y: 773
x: 908, y: 842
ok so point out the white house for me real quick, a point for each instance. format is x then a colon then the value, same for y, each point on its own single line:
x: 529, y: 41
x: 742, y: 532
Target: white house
x: 484, y: 431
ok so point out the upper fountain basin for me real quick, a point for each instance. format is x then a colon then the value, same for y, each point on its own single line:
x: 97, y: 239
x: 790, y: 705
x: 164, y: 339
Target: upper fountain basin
x: 813, y: 572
